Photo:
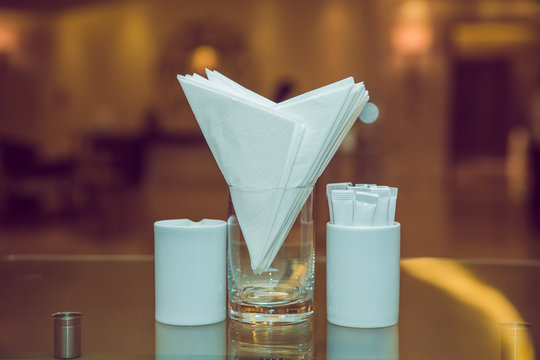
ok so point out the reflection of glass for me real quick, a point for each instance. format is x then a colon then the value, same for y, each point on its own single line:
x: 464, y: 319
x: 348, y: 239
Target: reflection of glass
x: 188, y: 342
x: 516, y: 341
x: 283, y: 292
x: 353, y: 343
x: 247, y: 341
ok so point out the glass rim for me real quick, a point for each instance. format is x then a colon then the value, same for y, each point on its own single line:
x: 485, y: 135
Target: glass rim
x: 515, y: 325
x: 255, y: 189
x: 66, y: 315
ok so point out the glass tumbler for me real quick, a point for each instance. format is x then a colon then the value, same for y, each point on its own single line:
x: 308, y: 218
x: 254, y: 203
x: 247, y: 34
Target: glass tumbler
x: 282, y: 293
x: 516, y: 342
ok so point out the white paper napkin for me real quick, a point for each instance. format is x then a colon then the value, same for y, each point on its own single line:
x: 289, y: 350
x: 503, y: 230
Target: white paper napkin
x: 271, y: 153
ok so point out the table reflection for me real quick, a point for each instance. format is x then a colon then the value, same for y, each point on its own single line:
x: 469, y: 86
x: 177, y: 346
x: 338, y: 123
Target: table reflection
x: 186, y: 342
x: 270, y: 342
x: 450, y: 309
x: 351, y: 343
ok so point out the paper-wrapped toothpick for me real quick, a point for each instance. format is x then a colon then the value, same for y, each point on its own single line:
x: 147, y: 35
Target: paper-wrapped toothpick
x: 271, y: 153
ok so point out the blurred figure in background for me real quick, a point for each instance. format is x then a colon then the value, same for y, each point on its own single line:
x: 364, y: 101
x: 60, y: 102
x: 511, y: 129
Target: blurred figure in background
x: 284, y: 90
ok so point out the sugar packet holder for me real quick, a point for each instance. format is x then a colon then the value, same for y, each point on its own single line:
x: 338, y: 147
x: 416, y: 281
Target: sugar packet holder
x: 362, y: 274
x: 363, y: 253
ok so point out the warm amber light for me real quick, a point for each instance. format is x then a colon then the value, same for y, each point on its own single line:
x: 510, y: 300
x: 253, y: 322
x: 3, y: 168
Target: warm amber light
x: 8, y: 40
x: 204, y: 57
x: 453, y: 278
x: 414, y: 10
x: 493, y: 33
x: 412, y: 38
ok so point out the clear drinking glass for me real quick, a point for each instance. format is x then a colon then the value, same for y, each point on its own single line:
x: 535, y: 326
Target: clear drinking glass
x: 516, y: 341
x: 283, y: 292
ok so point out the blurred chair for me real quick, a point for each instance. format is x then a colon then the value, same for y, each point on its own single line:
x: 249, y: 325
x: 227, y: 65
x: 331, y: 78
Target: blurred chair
x: 111, y: 172
x: 121, y: 156
x: 31, y: 186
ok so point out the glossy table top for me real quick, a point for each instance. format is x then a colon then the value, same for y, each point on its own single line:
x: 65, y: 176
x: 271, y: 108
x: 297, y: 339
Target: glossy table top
x: 449, y: 309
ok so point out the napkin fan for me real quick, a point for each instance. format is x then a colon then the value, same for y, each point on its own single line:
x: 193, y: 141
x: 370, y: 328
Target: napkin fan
x: 271, y: 154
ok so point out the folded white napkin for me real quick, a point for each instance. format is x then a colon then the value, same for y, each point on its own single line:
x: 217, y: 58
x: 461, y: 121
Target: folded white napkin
x: 271, y: 154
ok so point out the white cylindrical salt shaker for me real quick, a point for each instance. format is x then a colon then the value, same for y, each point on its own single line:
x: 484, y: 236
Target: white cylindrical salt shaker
x: 190, y: 271
x: 362, y: 275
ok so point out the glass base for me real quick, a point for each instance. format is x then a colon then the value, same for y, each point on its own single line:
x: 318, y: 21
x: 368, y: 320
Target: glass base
x: 277, y: 305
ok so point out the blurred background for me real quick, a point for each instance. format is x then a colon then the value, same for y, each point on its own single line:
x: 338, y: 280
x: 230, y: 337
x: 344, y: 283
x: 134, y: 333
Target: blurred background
x: 97, y: 140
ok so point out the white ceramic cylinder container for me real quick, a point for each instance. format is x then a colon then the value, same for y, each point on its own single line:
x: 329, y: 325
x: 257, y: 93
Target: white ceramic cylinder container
x: 362, y: 275
x: 190, y: 271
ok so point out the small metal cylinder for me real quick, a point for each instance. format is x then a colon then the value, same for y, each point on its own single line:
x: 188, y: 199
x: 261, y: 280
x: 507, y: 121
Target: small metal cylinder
x: 67, y: 335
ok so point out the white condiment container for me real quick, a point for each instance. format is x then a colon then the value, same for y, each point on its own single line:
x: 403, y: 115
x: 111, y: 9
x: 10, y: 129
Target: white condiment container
x: 190, y: 271
x: 363, y: 275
